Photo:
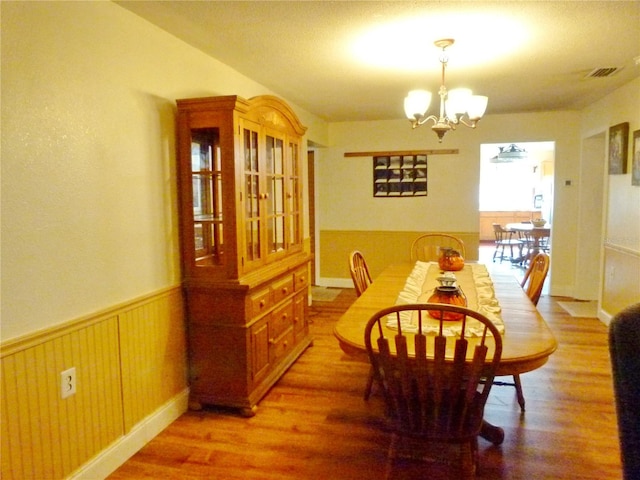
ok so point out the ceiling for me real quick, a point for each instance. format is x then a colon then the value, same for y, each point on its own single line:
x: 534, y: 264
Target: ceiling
x: 355, y: 60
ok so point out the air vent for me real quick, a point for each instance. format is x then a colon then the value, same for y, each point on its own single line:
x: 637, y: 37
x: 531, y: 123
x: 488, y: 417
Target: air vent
x: 603, y: 72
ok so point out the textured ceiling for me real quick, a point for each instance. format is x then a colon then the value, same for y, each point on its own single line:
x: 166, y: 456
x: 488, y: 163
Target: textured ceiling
x: 526, y: 56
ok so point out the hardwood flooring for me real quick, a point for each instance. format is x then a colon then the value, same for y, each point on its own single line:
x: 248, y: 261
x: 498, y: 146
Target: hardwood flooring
x: 314, y: 423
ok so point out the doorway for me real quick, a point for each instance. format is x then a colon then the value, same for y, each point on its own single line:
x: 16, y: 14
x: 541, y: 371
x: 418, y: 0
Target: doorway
x: 521, y: 180
x: 516, y: 185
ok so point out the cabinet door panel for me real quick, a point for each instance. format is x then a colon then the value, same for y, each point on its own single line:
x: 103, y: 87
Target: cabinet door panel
x: 253, y: 195
x: 294, y: 197
x: 206, y: 196
x: 299, y: 318
x: 276, y: 195
x: 260, y: 349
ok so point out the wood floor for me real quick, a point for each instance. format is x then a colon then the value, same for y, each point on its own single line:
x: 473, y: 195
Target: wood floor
x: 314, y: 423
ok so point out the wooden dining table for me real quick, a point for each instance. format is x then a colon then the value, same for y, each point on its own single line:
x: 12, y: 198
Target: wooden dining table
x: 527, y: 341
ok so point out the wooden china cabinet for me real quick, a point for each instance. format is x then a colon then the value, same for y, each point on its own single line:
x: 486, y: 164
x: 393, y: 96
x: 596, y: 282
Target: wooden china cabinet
x: 245, y: 272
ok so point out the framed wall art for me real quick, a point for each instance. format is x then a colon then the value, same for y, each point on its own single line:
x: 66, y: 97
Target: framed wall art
x: 635, y: 162
x: 400, y: 176
x: 618, y: 146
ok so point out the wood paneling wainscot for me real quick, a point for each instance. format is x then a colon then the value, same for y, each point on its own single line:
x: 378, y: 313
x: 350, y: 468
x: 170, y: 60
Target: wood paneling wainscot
x: 130, y: 360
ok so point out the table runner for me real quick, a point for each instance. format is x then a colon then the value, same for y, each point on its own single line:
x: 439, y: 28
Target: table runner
x: 475, y: 282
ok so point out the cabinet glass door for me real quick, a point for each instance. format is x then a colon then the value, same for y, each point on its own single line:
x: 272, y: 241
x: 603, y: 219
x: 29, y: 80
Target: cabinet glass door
x: 293, y: 197
x: 253, y: 194
x: 206, y: 175
x: 275, y: 178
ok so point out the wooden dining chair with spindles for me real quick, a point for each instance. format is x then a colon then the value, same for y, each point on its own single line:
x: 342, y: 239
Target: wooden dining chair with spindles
x: 532, y: 283
x: 435, y: 385
x: 426, y: 248
x: 361, y: 280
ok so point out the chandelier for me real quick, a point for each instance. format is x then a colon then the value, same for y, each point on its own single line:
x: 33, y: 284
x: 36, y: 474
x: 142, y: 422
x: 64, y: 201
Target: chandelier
x: 454, y: 104
x: 509, y: 154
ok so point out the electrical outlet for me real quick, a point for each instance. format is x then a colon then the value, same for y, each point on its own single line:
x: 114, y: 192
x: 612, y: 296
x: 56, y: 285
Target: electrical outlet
x: 68, y: 382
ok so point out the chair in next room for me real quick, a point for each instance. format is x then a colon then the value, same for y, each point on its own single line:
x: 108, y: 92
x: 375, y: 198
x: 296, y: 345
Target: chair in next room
x: 503, y: 240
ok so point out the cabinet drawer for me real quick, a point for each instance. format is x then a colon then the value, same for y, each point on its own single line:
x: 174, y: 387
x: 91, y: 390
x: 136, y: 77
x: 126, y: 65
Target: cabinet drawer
x: 281, y: 320
x: 260, y: 302
x: 280, y: 347
x: 282, y: 288
x: 301, y: 278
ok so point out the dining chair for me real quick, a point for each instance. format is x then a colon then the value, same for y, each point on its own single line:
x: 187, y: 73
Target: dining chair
x: 624, y: 350
x: 361, y: 280
x: 426, y: 248
x: 535, y: 276
x: 435, y: 386
x: 503, y: 239
x: 532, y: 283
x: 359, y: 272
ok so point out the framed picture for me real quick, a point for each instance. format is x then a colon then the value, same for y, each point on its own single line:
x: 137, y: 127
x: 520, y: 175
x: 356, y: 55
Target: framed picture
x: 635, y: 162
x: 400, y: 176
x: 618, y: 145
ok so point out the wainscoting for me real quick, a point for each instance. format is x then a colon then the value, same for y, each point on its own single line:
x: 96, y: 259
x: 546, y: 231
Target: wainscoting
x: 380, y: 248
x: 621, y: 280
x: 130, y: 363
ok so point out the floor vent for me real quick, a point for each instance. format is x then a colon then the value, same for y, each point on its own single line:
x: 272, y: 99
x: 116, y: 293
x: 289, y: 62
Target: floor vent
x: 603, y: 72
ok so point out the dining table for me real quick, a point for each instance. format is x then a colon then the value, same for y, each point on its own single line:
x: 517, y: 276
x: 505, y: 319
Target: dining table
x: 535, y: 237
x: 527, y: 340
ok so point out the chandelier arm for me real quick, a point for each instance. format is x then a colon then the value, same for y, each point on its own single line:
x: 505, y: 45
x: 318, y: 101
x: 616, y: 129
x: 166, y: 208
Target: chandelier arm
x: 421, y: 121
x: 470, y: 124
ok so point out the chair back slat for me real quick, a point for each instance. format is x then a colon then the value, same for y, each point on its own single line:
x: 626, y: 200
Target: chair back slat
x: 359, y: 272
x: 426, y: 248
x: 434, y: 385
x: 534, y: 277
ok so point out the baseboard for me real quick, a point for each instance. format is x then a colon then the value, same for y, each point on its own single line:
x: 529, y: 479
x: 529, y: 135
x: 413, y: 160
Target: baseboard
x: 120, y: 451
x: 604, y: 317
x: 335, y: 282
x: 561, y: 290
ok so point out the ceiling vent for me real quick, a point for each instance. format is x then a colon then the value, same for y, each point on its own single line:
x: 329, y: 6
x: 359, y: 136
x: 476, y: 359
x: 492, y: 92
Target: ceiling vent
x: 603, y: 72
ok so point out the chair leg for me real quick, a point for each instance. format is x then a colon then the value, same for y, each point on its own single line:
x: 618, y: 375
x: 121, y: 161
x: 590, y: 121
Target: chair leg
x: 519, y: 394
x: 369, y: 386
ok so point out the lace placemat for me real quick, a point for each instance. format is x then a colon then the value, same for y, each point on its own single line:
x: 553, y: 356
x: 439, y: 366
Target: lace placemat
x: 475, y: 282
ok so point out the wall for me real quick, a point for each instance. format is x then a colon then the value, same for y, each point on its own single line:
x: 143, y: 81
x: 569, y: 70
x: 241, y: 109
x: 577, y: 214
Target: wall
x: 347, y: 204
x: 89, y: 156
x: 620, y: 273
x: 89, y: 226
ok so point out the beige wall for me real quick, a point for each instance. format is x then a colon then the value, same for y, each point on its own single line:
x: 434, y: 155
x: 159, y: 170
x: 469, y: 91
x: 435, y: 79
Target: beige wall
x: 88, y: 156
x: 346, y: 201
x: 89, y: 225
x: 620, y: 269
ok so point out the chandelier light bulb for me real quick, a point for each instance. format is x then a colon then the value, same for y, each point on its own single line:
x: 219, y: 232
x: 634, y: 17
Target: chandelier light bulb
x: 457, y: 101
x: 416, y: 104
x: 476, y: 107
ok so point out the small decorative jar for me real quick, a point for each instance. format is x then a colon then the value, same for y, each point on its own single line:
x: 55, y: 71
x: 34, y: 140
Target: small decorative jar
x: 451, y: 295
x: 450, y: 260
